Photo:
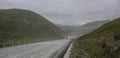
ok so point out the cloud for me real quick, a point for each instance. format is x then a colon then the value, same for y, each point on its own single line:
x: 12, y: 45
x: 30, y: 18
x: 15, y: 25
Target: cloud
x: 68, y: 12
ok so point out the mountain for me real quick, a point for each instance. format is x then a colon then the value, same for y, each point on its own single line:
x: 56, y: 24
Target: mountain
x: 67, y: 28
x: 86, y: 28
x: 106, y: 30
x: 103, y: 42
x: 24, y: 26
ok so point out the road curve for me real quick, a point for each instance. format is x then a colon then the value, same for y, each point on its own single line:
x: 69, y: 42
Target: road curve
x: 35, y: 50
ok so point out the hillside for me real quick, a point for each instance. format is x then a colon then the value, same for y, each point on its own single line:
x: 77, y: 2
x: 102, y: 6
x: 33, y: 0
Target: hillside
x: 104, y: 42
x: 24, y: 26
x: 86, y: 28
x: 109, y: 29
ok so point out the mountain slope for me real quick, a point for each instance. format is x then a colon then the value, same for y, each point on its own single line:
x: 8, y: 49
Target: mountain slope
x: 108, y: 29
x: 103, y: 42
x: 18, y: 25
x: 86, y: 28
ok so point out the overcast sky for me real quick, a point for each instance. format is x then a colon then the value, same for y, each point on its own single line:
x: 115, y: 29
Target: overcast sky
x: 68, y: 12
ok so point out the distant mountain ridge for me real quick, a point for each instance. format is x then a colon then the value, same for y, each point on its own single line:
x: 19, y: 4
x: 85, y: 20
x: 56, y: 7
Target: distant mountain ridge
x: 86, y: 28
x: 106, y: 30
x: 23, y: 25
x: 77, y: 31
x: 67, y: 28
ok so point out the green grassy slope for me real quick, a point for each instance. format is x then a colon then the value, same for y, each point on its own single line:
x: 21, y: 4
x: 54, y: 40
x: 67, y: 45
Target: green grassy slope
x: 103, y: 42
x: 87, y: 28
x: 23, y: 26
x: 108, y: 29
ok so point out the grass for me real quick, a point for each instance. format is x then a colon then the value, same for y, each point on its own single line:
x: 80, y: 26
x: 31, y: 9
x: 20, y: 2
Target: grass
x: 103, y: 42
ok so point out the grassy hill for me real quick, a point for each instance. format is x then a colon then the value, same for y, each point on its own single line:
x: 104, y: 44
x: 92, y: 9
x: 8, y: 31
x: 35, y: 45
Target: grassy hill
x: 86, y: 28
x: 23, y: 26
x: 104, y: 42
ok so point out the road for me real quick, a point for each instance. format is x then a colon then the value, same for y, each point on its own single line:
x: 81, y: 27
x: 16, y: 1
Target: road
x: 68, y: 52
x: 35, y: 50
